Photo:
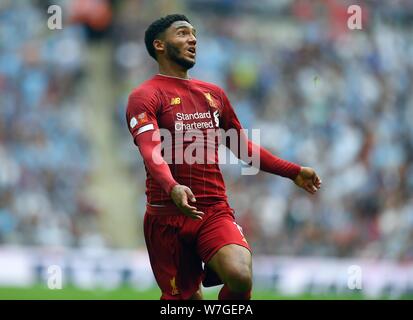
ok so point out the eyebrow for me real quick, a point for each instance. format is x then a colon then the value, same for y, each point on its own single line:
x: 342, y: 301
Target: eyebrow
x: 180, y: 27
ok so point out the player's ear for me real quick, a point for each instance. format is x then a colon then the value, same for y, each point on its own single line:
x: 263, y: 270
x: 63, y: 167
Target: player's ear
x: 159, y: 45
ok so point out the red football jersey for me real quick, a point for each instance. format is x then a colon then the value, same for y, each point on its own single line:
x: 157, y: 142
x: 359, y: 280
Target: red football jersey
x: 182, y: 105
x: 191, y: 113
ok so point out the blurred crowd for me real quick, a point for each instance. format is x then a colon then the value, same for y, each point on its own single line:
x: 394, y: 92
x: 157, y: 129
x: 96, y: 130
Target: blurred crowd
x: 338, y: 100
x: 44, y: 153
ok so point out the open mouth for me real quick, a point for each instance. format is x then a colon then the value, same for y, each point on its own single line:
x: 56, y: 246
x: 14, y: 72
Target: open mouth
x: 192, y: 51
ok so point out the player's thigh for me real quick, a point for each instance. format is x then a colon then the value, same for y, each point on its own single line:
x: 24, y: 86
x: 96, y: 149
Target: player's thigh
x: 223, y: 247
x: 177, y: 267
x: 232, y: 262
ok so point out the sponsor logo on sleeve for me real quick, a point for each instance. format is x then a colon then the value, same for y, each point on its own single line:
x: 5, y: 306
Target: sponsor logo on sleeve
x: 142, y: 118
x: 133, y: 122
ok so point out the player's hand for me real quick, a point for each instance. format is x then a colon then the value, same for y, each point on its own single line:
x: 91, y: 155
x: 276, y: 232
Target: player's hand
x: 180, y: 195
x: 308, y: 180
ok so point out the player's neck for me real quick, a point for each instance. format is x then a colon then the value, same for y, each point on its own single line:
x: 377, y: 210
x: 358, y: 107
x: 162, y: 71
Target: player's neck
x: 167, y: 70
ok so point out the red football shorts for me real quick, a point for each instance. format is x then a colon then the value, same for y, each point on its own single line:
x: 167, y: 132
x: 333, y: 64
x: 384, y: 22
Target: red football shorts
x: 177, y: 245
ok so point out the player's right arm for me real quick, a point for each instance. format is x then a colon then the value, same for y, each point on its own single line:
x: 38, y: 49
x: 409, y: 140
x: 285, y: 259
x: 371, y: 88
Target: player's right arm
x: 149, y: 147
x: 142, y: 123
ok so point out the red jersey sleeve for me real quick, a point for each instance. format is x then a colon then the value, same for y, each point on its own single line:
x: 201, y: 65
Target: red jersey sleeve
x: 141, y: 118
x: 141, y: 112
x: 149, y: 147
x: 268, y: 162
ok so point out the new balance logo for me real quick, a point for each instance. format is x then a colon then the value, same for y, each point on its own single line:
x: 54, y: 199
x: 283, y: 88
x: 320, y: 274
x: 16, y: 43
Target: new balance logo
x: 175, y: 101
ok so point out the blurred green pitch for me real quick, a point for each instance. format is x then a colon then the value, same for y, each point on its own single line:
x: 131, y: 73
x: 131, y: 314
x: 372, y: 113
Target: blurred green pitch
x: 41, y: 292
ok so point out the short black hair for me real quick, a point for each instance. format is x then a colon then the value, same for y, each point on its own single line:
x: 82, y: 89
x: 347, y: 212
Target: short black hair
x: 159, y: 26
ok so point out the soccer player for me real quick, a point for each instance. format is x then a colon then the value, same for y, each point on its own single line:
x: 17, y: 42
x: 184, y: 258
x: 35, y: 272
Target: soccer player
x: 190, y: 229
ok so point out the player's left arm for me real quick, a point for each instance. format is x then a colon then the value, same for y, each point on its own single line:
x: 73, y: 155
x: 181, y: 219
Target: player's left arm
x: 308, y: 180
x: 304, y: 177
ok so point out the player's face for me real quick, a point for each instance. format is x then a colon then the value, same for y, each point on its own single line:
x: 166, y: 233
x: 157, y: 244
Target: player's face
x: 180, y: 44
